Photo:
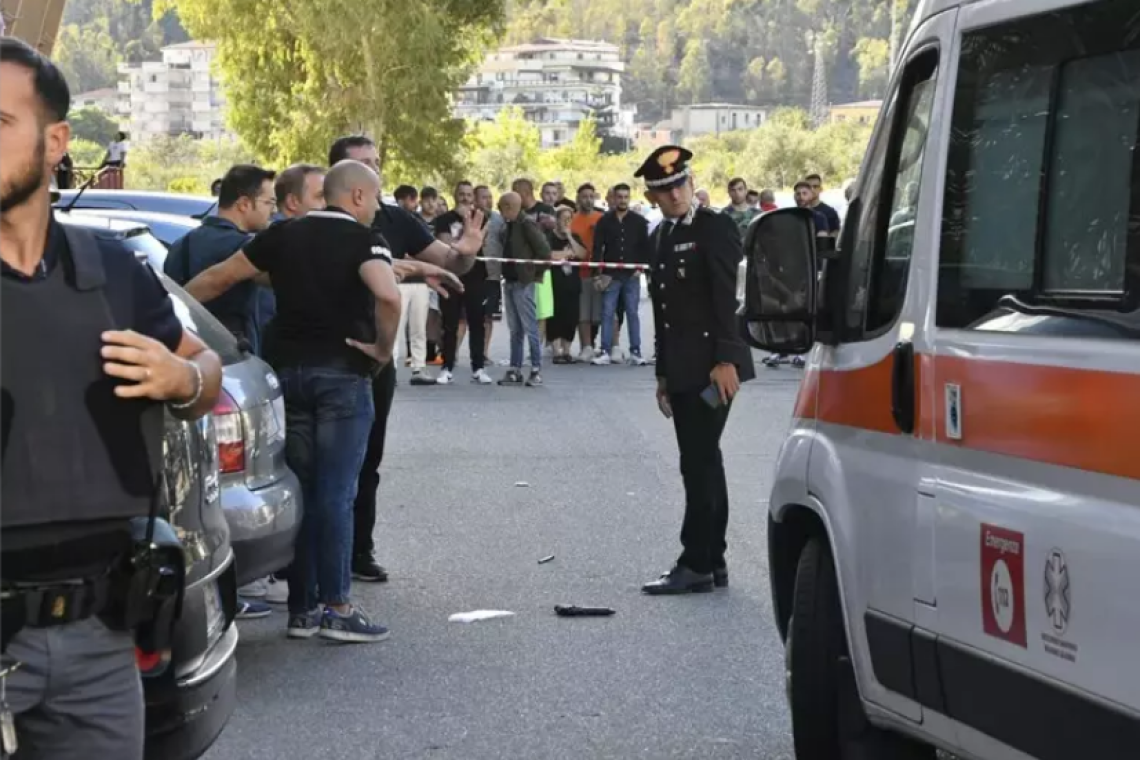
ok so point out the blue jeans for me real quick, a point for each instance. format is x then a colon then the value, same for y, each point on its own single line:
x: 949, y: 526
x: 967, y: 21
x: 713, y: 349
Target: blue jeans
x: 629, y: 291
x: 522, y: 320
x: 328, y: 415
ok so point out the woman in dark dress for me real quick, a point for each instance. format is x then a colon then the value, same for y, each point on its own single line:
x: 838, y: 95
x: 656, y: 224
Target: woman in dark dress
x: 566, y: 284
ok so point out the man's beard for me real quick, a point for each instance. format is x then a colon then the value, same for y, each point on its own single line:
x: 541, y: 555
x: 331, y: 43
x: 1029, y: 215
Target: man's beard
x: 24, y: 185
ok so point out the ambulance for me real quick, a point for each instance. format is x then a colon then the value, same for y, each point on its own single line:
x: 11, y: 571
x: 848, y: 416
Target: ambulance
x: 954, y: 527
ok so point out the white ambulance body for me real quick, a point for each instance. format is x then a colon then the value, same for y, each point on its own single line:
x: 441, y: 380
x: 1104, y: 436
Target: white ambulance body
x: 954, y: 531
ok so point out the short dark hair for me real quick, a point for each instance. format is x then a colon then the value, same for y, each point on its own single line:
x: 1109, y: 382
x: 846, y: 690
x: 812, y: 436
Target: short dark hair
x: 521, y: 181
x: 50, y: 86
x: 816, y: 177
x: 587, y: 186
x: 342, y: 145
x: 292, y: 181
x: 405, y: 191
x: 549, y: 184
x: 464, y: 183
x: 801, y: 183
x: 428, y: 193
x: 753, y: 192
x: 216, y: 187
x: 242, y: 181
x: 736, y: 181
x: 481, y: 187
x: 621, y: 186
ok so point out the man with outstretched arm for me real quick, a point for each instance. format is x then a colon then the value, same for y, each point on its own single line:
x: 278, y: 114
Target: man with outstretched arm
x: 408, y: 239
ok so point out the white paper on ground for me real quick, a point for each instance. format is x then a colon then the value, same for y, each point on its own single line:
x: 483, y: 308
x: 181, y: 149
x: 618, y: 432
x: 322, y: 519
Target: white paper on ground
x: 476, y: 615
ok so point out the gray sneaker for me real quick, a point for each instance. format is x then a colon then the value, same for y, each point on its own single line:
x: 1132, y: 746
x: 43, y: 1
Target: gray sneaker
x: 513, y: 377
x: 419, y: 377
x: 353, y: 628
x: 535, y: 379
x: 304, y: 625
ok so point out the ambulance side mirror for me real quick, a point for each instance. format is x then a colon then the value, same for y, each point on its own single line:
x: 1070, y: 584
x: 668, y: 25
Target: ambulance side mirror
x: 781, y: 282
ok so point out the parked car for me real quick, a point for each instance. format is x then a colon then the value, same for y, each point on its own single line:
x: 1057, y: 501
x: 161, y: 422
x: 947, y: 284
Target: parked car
x: 260, y: 495
x: 196, y: 206
x: 166, y: 228
x: 190, y: 699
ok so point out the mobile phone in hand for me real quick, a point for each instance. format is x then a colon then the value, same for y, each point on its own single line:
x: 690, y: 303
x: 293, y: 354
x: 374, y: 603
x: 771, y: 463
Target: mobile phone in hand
x: 711, y: 396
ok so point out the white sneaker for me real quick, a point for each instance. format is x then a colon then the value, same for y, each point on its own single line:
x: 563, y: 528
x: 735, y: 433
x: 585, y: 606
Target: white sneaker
x: 482, y: 378
x: 444, y: 377
x: 618, y: 355
x: 278, y: 592
x: 586, y: 355
x: 601, y: 360
x: 636, y: 360
x: 254, y: 589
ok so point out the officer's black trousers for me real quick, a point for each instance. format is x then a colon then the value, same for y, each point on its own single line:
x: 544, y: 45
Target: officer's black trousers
x: 364, y: 509
x: 698, y: 429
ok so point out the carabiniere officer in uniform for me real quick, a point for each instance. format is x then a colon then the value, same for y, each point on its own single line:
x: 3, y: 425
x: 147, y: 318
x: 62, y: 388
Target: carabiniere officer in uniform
x: 701, y: 358
x: 92, y: 356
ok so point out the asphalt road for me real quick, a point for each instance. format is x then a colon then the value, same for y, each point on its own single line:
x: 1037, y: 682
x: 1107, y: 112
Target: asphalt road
x: 697, y: 677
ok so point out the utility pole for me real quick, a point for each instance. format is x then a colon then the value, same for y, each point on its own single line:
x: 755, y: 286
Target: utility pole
x: 819, y: 100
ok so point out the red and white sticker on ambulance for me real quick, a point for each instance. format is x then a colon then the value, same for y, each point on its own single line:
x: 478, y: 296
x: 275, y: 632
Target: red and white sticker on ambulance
x: 1003, y: 584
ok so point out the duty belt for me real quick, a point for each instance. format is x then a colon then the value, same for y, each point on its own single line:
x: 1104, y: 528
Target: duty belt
x: 43, y: 605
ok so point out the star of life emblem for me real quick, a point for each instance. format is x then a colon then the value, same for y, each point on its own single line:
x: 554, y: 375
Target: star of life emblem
x: 1058, y: 598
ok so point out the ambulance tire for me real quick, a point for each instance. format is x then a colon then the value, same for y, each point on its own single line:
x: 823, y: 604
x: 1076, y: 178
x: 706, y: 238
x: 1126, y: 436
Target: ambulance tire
x: 828, y: 722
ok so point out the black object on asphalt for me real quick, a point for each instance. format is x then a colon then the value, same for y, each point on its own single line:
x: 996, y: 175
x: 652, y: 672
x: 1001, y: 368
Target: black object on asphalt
x: 544, y: 560
x: 574, y: 611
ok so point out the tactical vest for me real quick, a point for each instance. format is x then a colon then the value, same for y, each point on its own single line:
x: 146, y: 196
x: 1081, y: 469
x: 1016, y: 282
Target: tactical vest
x: 72, y: 451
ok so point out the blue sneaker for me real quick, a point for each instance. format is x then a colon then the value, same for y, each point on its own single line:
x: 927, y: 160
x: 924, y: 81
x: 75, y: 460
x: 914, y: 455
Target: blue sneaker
x: 355, y: 627
x: 247, y: 609
x: 304, y: 625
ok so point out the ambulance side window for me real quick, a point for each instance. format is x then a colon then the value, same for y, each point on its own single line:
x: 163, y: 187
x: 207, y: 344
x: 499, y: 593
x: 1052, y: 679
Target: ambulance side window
x: 1043, y: 172
x: 883, y: 238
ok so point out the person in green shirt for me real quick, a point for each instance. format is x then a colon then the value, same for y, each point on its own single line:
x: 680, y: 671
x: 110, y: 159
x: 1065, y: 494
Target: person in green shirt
x: 740, y: 210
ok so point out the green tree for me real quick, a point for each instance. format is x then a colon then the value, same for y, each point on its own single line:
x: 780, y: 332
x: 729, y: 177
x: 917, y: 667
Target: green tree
x: 87, y: 56
x: 873, y: 58
x: 695, y: 77
x: 503, y: 149
x: 92, y: 124
x: 578, y: 155
x: 300, y: 74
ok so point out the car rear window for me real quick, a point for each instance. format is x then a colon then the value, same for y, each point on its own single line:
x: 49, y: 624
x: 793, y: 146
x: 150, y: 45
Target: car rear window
x: 195, y: 318
x: 149, y: 246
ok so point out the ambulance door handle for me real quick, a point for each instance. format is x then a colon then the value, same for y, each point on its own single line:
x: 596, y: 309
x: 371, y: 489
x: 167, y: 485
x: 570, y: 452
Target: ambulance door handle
x: 902, y: 387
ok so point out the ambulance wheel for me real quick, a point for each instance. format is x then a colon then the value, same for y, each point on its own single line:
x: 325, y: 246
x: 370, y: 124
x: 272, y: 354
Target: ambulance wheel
x: 828, y: 722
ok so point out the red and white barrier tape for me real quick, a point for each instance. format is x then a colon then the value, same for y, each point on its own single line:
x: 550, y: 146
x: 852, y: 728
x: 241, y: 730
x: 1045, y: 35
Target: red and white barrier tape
x: 567, y: 263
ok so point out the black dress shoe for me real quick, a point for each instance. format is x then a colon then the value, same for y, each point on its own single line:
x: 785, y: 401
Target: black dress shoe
x: 365, y: 568
x: 720, y: 577
x: 679, y: 580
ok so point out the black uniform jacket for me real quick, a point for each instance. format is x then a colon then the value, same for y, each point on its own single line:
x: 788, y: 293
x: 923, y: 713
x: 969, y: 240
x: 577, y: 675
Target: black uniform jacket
x: 693, y: 285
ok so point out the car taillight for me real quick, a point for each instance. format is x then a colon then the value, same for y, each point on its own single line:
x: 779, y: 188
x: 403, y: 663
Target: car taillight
x: 151, y: 663
x: 230, y: 433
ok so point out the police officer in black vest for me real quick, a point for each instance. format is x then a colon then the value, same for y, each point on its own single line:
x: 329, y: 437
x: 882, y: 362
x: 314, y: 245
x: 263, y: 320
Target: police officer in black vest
x: 701, y: 358
x: 92, y: 352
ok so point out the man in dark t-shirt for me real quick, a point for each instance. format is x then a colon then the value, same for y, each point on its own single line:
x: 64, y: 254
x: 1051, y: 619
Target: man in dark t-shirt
x: 407, y: 239
x: 337, y: 310
x: 467, y: 307
x: 830, y: 215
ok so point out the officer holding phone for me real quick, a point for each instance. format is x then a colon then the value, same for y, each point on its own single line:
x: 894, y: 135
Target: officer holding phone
x: 701, y: 358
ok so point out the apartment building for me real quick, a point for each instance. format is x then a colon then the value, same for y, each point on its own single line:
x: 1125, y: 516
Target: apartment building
x: 105, y: 99
x: 556, y: 83
x: 174, y: 96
